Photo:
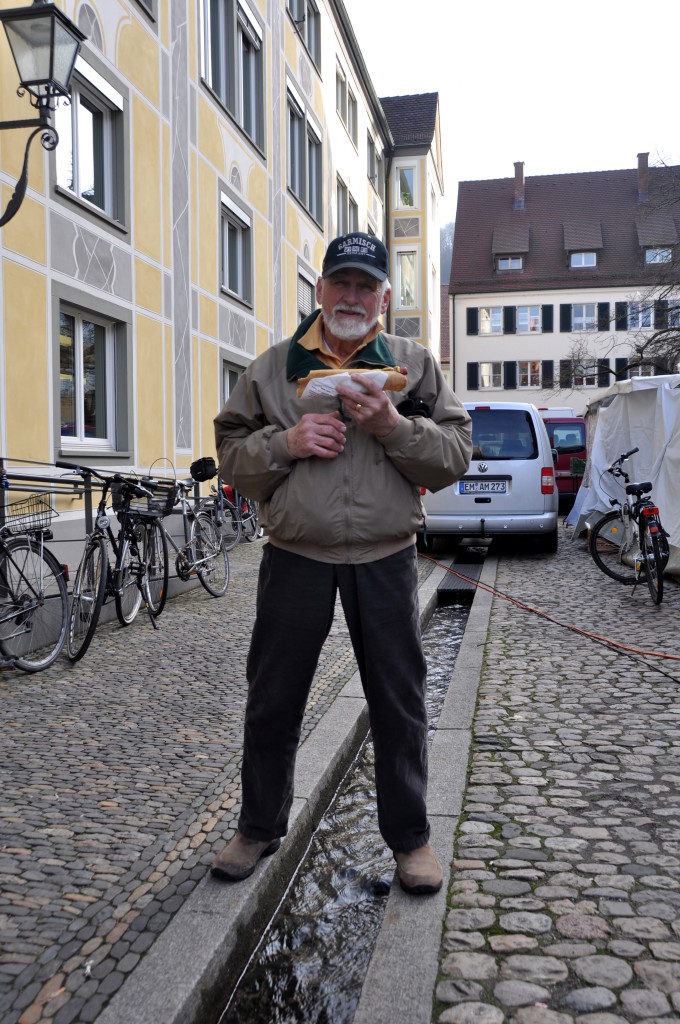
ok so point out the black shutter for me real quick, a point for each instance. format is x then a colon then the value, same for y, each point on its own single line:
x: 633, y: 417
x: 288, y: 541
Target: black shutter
x: 603, y: 316
x: 547, y: 373
x: 661, y: 314
x: 565, y: 317
x: 473, y: 376
x: 621, y: 316
x: 509, y: 375
x: 566, y: 373
x: 472, y: 320
x: 547, y: 319
x: 603, y: 374
x: 509, y: 319
x: 621, y: 363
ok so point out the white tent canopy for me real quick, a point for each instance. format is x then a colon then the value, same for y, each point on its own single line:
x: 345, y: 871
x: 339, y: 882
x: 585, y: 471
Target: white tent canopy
x: 643, y: 412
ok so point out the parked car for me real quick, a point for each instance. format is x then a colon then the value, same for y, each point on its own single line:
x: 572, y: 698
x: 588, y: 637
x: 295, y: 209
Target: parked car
x: 509, y: 489
x: 567, y: 435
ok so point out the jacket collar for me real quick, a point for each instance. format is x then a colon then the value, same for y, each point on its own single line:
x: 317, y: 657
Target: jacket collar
x: 300, y: 361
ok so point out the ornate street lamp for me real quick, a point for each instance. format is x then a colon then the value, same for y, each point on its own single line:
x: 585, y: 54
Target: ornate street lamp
x: 44, y: 44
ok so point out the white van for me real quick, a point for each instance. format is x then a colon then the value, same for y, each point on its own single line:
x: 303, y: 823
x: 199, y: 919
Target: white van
x: 509, y: 489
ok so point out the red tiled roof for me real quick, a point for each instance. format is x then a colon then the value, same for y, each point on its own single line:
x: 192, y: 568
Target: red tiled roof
x: 412, y: 119
x: 598, y: 205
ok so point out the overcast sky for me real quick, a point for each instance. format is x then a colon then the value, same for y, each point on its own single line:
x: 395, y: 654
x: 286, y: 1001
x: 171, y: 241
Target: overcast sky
x: 578, y: 86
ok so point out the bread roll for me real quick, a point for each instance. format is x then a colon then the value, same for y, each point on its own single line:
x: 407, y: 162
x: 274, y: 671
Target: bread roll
x: 396, y: 380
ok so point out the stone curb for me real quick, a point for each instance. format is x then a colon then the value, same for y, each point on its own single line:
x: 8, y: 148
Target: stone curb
x: 195, y: 963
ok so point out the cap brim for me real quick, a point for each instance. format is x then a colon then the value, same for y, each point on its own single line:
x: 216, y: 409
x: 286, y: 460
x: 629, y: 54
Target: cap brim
x: 380, y: 275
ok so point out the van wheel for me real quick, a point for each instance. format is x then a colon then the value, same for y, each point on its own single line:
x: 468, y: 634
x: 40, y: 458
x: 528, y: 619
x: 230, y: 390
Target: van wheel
x: 547, y: 543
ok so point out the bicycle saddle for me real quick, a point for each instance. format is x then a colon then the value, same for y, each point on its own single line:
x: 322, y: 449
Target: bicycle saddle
x: 639, y: 489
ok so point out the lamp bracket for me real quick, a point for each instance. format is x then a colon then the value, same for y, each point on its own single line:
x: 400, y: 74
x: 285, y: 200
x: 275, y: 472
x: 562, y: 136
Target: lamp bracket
x: 49, y: 140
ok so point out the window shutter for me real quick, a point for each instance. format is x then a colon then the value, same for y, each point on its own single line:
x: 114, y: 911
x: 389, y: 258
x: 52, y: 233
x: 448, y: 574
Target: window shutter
x: 473, y: 376
x: 566, y: 372
x: 603, y: 375
x: 620, y: 363
x: 565, y: 317
x: 547, y: 319
x: 621, y: 316
x: 548, y: 372
x: 509, y: 375
x: 305, y: 296
x: 603, y: 316
x: 509, y: 319
x: 661, y: 314
x: 472, y: 320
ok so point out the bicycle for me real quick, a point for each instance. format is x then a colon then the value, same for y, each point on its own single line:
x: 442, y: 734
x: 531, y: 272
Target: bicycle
x: 203, y: 553
x: 140, y: 570
x: 236, y: 515
x: 33, y: 592
x: 630, y: 539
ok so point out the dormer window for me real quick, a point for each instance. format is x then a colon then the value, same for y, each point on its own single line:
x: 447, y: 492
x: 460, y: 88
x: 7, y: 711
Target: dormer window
x: 510, y: 263
x: 583, y: 259
x: 658, y: 255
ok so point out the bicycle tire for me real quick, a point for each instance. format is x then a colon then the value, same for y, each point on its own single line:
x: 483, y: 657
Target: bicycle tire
x: 33, y: 604
x: 126, y: 581
x: 605, y: 542
x: 210, y: 558
x: 230, y: 528
x: 652, y: 561
x: 87, y: 599
x: 251, y: 521
x: 156, y: 568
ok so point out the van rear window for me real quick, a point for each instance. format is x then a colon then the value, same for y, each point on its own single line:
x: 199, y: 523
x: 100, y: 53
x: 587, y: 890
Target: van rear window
x: 568, y: 437
x: 503, y: 434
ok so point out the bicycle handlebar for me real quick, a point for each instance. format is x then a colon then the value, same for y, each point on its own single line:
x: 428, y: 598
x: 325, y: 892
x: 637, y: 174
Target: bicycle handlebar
x: 135, y: 487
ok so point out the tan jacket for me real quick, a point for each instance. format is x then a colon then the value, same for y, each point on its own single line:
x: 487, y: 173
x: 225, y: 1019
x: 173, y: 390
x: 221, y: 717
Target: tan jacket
x: 365, y: 503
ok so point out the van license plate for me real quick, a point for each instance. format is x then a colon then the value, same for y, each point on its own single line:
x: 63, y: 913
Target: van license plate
x: 483, y: 487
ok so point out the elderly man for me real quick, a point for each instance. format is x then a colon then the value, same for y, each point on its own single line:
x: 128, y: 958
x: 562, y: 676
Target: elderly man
x: 338, y: 479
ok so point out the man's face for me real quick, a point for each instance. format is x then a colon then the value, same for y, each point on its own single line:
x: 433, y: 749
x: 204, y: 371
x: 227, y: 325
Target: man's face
x: 352, y: 302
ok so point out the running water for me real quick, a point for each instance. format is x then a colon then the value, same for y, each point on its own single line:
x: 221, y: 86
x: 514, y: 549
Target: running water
x: 311, y: 964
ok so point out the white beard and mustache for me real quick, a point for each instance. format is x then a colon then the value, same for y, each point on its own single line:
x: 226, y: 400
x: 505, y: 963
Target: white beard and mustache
x: 346, y: 329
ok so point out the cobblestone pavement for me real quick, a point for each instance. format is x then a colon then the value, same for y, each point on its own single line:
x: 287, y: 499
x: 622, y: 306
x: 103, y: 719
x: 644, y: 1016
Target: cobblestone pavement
x: 119, y: 776
x: 565, y: 894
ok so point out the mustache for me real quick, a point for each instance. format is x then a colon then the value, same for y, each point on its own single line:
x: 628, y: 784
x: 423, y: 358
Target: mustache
x: 347, y: 308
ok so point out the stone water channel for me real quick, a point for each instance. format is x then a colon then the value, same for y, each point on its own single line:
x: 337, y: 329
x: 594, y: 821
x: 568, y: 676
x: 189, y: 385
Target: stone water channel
x: 310, y: 965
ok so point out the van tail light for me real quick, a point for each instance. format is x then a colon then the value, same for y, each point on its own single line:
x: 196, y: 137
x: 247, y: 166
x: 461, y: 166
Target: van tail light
x: 547, y: 480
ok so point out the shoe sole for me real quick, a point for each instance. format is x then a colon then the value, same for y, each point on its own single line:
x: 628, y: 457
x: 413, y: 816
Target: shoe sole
x: 238, y: 876
x: 423, y: 889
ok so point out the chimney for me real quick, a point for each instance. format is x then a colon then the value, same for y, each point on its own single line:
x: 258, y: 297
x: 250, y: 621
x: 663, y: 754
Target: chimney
x: 518, y: 204
x: 643, y: 177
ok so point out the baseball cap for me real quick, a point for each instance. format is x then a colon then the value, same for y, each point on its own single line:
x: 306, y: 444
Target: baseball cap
x: 357, y: 251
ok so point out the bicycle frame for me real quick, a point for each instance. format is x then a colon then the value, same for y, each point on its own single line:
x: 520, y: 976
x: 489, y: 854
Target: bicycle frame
x: 186, y: 562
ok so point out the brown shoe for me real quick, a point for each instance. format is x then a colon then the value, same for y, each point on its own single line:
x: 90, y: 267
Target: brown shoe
x: 238, y: 858
x: 419, y: 871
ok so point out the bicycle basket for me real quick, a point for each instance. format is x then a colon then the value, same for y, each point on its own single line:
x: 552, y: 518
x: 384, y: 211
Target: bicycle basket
x: 29, y: 515
x: 160, y: 504
x: 203, y: 469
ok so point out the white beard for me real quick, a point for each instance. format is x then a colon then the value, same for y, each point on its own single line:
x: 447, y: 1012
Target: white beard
x: 350, y: 329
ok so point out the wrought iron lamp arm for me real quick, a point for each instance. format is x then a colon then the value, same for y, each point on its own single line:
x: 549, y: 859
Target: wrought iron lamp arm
x: 49, y: 140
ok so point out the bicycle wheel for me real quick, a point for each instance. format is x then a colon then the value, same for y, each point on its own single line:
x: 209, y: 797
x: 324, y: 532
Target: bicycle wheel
x: 33, y: 604
x: 653, y: 563
x: 156, y: 568
x: 230, y: 528
x: 210, y: 558
x: 251, y: 521
x: 87, y: 598
x: 127, y: 578
x: 614, y: 548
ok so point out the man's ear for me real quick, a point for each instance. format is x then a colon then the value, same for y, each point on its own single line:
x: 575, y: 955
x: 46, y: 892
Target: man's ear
x: 319, y: 290
x: 387, y: 294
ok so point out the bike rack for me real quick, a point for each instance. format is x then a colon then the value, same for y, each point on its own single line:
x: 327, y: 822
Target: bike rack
x: 24, y: 481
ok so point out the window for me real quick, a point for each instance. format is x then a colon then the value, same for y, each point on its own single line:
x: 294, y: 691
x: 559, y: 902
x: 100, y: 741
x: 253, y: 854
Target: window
x: 352, y: 116
x: 233, y: 62
x: 304, y: 156
x: 353, y: 215
x: 491, y: 320
x: 510, y: 263
x: 305, y: 297
x: 406, y: 280
x: 490, y: 375
x: 86, y: 379
x: 639, y: 316
x: 529, y: 373
x: 584, y: 316
x: 406, y: 187
x: 89, y: 154
x: 585, y: 376
x: 230, y: 375
x: 341, y: 94
x: 235, y: 263
x: 583, y: 259
x: 657, y: 255
x: 380, y: 172
x: 673, y: 313
x: 342, y: 212
x: 305, y: 14
x: 528, y: 319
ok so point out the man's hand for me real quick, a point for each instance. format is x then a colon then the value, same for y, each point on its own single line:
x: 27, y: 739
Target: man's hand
x: 371, y: 409
x: 317, y: 433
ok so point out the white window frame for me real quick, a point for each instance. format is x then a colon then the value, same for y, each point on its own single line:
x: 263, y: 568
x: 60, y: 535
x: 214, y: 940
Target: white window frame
x: 583, y: 259
x: 490, y: 319
x: 587, y: 377
x: 639, y: 316
x: 528, y: 319
x: 528, y: 373
x: 305, y: 15
x: 341, y: 206
x: 304, y: 153
x: 673, y: 313
x: 352, y: 116
x: 341, y: 94
x: 306, y: 298
x: 658, y: 254
x: 510, y: 263
x: 586, y: 318
x: 398, y: 199
x: 234, y: 218
x: 79, y: 439
x: 491, y: 376
x: 230, y: 376
x: 353, y: 213
x: 405, y: 258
